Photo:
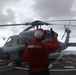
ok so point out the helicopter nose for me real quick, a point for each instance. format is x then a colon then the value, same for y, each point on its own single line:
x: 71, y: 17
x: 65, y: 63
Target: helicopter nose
x: 1, y: 50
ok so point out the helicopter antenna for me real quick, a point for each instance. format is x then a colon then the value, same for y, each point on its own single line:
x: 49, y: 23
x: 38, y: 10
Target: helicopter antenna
x: 66, y: 29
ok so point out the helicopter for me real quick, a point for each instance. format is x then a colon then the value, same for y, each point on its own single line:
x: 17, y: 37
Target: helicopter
x: 15, y: 45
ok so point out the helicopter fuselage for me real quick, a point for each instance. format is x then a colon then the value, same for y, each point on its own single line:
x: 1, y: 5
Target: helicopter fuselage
x: 16, y: 44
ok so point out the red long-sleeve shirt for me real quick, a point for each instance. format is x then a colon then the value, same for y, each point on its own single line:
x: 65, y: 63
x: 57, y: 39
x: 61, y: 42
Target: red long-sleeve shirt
x: 36, y: 54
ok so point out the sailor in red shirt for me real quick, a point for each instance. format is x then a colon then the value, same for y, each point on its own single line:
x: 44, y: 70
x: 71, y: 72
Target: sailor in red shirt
x: 36, y: 53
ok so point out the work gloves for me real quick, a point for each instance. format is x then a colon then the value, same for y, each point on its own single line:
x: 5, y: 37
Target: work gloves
x: 53, y: 33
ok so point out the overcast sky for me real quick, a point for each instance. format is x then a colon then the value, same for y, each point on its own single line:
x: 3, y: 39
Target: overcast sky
x: 21, y: 11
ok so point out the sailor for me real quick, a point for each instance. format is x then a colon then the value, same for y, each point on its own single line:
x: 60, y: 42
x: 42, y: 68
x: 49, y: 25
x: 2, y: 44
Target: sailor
x: 36, y: 53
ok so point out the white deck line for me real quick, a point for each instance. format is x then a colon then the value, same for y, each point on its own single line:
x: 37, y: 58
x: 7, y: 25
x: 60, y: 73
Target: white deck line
x: 50, y: 69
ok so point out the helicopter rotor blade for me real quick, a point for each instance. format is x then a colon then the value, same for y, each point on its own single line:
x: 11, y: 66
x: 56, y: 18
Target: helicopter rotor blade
x: 36, y: 23
x: 66, y: 29
x: 15, y: 24
x: 64, y: 32
x: 60, y: 20
x: 30, y: 24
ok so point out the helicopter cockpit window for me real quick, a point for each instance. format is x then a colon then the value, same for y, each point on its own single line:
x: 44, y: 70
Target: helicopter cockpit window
x: 9, y: 40
x: 23, y: 40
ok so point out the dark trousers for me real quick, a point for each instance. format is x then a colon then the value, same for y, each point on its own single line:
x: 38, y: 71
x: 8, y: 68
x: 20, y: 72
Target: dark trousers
x: 46, y: 72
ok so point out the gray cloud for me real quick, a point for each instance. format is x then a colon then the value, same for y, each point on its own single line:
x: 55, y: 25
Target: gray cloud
x: 9, y: 16
x: 54, y: 8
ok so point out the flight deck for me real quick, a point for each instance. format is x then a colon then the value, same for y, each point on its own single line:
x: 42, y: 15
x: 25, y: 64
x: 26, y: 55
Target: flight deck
x: 61, y: 67
x: 15, y: 71
x: 54, y: 70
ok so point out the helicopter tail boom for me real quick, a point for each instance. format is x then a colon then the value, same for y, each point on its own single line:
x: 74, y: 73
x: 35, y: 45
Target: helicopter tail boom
x: 72, y: 44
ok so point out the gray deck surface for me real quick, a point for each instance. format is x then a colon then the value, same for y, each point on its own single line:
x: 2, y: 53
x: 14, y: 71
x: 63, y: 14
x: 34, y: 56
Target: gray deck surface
x: 24, y: 72
x: 14, y: 72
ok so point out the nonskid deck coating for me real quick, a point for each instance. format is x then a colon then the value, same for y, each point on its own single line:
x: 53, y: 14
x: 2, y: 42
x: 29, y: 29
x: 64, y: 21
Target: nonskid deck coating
x: 25, y: 72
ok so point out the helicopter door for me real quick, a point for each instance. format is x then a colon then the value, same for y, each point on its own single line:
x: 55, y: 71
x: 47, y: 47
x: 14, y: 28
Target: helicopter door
x: 23, y: 42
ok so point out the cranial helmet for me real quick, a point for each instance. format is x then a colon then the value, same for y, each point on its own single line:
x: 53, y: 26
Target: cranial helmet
x: 39, y: 34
